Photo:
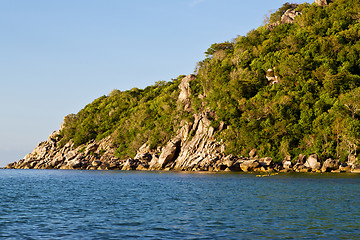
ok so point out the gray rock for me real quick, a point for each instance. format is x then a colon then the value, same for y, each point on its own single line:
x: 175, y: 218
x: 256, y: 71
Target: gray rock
x: 272, y: 77
x: 312, y: 162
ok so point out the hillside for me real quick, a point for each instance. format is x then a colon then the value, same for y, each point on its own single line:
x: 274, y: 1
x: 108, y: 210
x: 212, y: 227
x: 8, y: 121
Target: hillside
x: 286, y: 90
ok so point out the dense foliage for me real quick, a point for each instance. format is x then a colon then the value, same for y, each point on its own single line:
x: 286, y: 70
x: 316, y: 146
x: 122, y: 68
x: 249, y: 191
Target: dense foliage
x: 314, y: 109
x: 132, y: 117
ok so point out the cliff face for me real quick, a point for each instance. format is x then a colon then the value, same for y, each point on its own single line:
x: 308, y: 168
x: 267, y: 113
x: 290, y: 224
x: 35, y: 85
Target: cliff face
x: 194, y: 148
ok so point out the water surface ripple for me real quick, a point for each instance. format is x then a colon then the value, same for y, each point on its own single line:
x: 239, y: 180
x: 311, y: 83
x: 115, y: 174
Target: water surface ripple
x: 65, y: 204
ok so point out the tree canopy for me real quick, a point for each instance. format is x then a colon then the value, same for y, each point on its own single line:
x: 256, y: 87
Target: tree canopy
x: 315, y: 107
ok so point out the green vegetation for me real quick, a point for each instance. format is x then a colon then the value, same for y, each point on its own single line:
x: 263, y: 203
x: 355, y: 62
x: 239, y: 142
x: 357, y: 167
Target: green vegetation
x: 132, y: 117
x: 314, y: 109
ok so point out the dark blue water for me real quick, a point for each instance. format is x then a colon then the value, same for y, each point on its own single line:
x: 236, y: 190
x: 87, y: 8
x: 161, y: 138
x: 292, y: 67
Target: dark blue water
x: 65, y: 204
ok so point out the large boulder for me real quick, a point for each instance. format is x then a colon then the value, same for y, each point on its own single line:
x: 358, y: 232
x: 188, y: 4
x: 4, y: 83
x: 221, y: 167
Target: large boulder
x: 131, y: 164
x: 170, y: 152
x: 287, y: 164
x: 266, y: 162
x: 249, y: 165
x: 330, y: 165
x: 313, y: 162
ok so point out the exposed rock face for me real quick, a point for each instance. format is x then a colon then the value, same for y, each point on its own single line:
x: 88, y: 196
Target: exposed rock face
x: 323, y: 2
x: 185, y: 93
x: 289, y: 16
x: 170, y: 152
x: 272, y: 77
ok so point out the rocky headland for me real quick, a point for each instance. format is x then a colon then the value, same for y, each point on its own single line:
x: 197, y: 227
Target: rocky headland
x: 194, y: 148
x: 292, y: 85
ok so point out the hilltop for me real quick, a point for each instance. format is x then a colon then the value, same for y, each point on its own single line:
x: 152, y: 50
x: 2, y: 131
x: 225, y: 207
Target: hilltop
x: 285, y: 97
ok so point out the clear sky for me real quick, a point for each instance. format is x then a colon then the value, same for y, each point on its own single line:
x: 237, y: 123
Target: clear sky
x: 57, y: 56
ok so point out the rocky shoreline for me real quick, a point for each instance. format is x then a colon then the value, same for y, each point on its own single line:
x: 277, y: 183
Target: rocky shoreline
x: 97, y: 155
x: 194, y: 148
x: 200, y: 152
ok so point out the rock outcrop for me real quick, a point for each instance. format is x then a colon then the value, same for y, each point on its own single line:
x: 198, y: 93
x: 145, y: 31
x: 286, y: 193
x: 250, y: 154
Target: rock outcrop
x: 193, y: 148
x: 185, y: 93
x: 323, y: 2
x: 289, y: 16
x: 272, y: 77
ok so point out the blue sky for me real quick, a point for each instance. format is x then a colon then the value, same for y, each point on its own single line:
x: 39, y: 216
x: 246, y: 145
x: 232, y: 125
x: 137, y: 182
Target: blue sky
x: 57, y: 56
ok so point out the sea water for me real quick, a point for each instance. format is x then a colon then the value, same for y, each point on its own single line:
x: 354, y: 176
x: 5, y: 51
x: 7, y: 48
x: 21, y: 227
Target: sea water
x: 66, y: 204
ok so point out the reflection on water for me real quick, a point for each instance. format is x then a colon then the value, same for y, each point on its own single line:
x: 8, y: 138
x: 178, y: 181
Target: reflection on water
x: 65, y: 204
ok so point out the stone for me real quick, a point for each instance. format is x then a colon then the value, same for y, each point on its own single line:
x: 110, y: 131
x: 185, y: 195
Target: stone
x: 75, y: 163
x: 355, y: 168
x: 287, y: 164
x: 252, y: 153
x: 345, y: 168
x: 323, y: 2
x: 113, y: 166
x: 266, y: 162
x: 301, y: 159
x: 272, y: 77
x: 249, y: 166
x: 96, y: 163
x: 130, y: 164
x: 154, y: 163
x: 170, y: 152
x: 143, y: 156
x: 289, y: 16
x: 142, y: 167
x: 330, y: 165
x: 70, y: 155
x: 312, y: 162
x: 91, y: 148
x: 300, y: 168
x: 185, y: 93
